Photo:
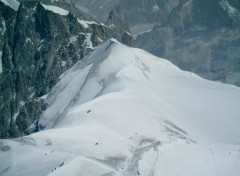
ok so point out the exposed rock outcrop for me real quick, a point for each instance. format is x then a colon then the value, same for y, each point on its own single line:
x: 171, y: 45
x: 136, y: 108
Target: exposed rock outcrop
x: 36, y: 47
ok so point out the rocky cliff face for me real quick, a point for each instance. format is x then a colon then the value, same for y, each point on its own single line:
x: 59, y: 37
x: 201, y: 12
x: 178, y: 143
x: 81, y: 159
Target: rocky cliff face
x: 36, y: 46
x: 144, y: 14
x: 69, y: 5
x: 140, y: 15
x: 97, y: 9
x: 119, y: 27
x: 200, y: 36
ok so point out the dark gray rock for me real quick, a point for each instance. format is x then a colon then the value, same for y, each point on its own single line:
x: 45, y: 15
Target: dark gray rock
x: 36, y: 47
x: 69, y: 5
x: 119, y: 27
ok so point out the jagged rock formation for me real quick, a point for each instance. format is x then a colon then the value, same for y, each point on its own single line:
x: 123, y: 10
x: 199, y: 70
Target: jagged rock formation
x: 65, y: 4
x: 98, y: 9
x: 144, y: 14
x: 36, y: 47
x: 140, y: 15
x: 200, y: 36
x: 119, y: 27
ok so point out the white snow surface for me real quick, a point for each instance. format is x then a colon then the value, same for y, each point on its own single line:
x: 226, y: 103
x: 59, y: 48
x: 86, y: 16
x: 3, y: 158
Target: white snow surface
x: 11, y: 3
x: 124, y: 112
x: 56, y: 9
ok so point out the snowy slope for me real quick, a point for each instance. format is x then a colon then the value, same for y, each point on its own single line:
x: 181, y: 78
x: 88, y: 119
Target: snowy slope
x: 123, y: 111
x: 11, y: 3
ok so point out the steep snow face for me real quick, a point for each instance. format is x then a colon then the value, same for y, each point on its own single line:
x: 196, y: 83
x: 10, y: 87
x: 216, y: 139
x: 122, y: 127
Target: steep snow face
x: 123, y: 111
x: 11, y: 3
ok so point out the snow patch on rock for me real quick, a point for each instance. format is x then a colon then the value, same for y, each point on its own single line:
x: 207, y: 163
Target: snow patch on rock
x: 56, y: 9
x: 11, y: 3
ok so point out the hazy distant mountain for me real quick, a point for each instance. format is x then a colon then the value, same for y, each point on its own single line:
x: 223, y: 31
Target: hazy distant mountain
x: 140, y: 15
x: 201, y: 36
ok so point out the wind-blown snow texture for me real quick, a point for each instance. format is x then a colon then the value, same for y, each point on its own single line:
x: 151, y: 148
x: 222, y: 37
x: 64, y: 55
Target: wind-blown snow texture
x: 123, y: 111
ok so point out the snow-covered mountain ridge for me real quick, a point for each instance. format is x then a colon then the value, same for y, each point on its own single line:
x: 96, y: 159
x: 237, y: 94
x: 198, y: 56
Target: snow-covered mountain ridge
x: 122, y: 111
